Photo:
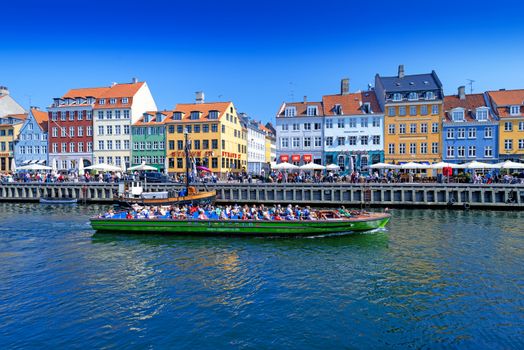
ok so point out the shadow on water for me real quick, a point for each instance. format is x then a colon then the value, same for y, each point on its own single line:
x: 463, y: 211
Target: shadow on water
x: 375, y: 239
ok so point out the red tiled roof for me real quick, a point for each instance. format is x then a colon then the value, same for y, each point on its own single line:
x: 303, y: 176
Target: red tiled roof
x: 502, y: 99
x: 301, y: 109
x: 41, y: 118
x: 203, y: 108
x: 351, y: 103
x: 470, y: 104
x: 140, y: 122
x: 117, y: 91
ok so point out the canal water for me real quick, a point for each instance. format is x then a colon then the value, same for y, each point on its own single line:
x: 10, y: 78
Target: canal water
x: 433, y: 279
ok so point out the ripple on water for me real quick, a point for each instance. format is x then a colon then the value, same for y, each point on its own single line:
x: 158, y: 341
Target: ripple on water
x: 434, y: 278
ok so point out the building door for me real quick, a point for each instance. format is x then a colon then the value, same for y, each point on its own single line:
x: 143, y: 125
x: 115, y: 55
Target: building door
x: 342, y: 163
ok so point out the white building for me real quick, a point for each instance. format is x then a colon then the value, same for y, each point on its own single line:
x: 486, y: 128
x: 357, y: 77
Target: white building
x: 7, y: 104
x: 256, y: 146
x: 299, y: 127
x: 353, y: 129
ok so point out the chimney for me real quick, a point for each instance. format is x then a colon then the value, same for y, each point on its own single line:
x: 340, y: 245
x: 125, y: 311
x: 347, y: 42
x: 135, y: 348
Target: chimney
x: 344, y: 86
x: 305, y: 99
x: 401, y: 71
x: 199, y: 97
x: 462, y: 92
x: 4, y: 91
x: 113, y: 84
x: 134, y: 80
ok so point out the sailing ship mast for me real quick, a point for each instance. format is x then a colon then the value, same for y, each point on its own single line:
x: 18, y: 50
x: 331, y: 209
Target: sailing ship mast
x: 186, y: 149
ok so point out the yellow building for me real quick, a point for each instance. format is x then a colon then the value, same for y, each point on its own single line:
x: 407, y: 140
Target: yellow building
x: 509, y: 107
x: 413, y: 108
x: 216, y: 135
x: 10, y: 126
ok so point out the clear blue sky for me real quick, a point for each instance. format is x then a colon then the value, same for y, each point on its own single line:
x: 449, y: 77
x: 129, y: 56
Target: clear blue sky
x: 255, y: 53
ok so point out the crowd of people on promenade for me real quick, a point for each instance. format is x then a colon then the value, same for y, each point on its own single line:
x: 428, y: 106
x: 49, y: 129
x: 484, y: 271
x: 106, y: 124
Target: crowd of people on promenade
x: 228, y: 212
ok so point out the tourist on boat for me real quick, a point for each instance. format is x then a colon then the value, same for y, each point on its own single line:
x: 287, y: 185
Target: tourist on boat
x: 202, y: 215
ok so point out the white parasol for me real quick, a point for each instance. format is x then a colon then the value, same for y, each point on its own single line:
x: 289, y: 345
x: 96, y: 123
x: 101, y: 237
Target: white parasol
x: 142, y: 166
x: 81, y: 167
x: 285, y: 166
x: 508, y: 164
x: 332, y: 167
x: 103, y: 167
x: 442, y: 165
x: 35, y: 167
x: 384, y: 166
x: 413, y: 165
x: 13, y: 165
x: 477, y: 165
x: 312, y: 166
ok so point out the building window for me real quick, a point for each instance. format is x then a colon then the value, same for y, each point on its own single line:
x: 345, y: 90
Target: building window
x: 434, y: 109
x: 89, y: 115
x: 329, y: 141
x: 295, y: 142
x: 391, y: 148
x: 508, y: 126
x: 352, y: 122
x: 450, y: 152
x: 312, y: 110
x: 488, y: 132
x: 80, y: 147
x: 376, y: 122
x: 413, y: 128
x: 126, y: 114
x: 461, y: 133
x: 90, y: 146
x: 112, y: 101
x: 340, y: 123
x: 109, y: 115
x: 376, y: 139
x: 397, y: 97
x: 391, y: 111
x: 508, y: 145
x: 329, y: 123
x: 89, y: 131
x: 72, y: 147
x: 472, y: 133
x: 54, y: 131
x: 290, y: 112
x: 423, y: 148
x: 317, y: 126
x: 434, y: 148
x: 461, y: 151
x: 514, y: 110
x: 125, y: 100
x: 101, y: 145
x: 482, y: 114
x: 424, y: 110
x: 458, y: 116
x: 412, y: 110
x: 318, y: 141
x: 64, y: 147
x: 126, y: 129
x: 521, y: 144
x: 71, y: 131
x: 402, y: 110
x: 307, y: 126
x: 402, y: 128
x: 100, y: 130
x: 71, y: 115
x: 402, y: 148
x: 102, y: 101
x: 100, y: 115
x: 434, y: 128
x: 488, y: 152
x: 55, y: 147
x: 296, y: 127
x: 63, y: 131
x: 472, y: 151
x: 284, y: 142
x: 54, y: 116
x: 424, y: 128
x: 413, y: 96
x: 413, y: 148
x: 391, y: 129
x: 341, y: 141
x: 352, y: 140
x: 364, y: 122
x: 430, y: 95
x: 307, y: 142
x: 450, y: 134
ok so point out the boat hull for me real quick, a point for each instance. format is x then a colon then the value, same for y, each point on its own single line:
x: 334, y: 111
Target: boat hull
x: 58, y: 200
x: 201, y: 198
x: 241, y: 227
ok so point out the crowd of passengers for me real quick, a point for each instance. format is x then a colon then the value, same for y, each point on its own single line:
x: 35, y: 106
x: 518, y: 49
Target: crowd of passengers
x: 235, y: 212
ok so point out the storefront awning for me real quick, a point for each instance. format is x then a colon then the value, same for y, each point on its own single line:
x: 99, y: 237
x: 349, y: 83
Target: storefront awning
x: 284, y: 158
x: 295, y: 158
x: 307, y: 158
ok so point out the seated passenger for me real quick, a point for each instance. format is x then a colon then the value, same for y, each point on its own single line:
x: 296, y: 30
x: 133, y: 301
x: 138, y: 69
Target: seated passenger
x: 202, y: 215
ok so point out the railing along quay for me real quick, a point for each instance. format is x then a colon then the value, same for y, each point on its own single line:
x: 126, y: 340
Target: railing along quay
x: 501, y: 196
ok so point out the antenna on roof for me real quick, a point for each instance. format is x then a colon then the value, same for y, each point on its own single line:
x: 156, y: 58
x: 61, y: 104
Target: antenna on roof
x: 291, y: 91
x: 470, y: 83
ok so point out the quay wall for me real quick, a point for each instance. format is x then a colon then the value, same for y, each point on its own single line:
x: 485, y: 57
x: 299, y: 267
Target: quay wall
x: 500, y: 196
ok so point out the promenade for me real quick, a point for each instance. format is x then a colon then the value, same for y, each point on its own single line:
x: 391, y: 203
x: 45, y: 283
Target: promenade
x: 455, y: 195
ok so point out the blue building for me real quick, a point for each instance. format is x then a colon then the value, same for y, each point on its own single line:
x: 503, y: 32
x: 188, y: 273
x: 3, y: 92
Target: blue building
x: 469, y: 129
x: 31, y: 144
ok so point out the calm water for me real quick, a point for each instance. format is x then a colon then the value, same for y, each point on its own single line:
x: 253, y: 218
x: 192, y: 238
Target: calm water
x: 435, y: 279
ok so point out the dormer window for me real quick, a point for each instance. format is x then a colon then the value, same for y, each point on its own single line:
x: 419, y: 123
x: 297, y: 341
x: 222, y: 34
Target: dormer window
x: 413, y: 96
x: 337, y: 109
x: 177, y: 116
x: 78, y: 101
x: 160, y: 117
x: 112, y: 101
x: 146, y: 118
x: 102, y: 101
x: 195, y: 115
x: 514, y: 110
x: 90, y: 100
x: 311, y: 110
x: 366, y: 108
x: 290, y: 112
x: 482, y: 114
x: 430, y: 95
x: 458, y: 115
x: 397, y: 97
x: 125, y: 100
x: 213, y: 114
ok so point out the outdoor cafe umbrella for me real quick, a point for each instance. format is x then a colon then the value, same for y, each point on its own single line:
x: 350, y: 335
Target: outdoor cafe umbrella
x: 413, y: 165
x: 508, y: 164
x: 442, y: 165
x: 13, y: 165
x: 477, y: 165
x: 35, y: 167
x: 332, y: 167
x: 123, y: 166
x: 54, y: 165
x: 103, y: 167
x: 142, y: 166
x: 81, y: 167
x: 312, y: 166
x: 384, y: 166
x: 203, y: 168
x: 285, y: 166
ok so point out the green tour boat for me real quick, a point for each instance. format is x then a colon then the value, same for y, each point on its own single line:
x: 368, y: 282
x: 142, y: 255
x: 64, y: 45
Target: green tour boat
x: 329, y: 224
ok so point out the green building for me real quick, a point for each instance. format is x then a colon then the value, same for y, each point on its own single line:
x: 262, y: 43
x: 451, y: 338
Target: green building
x: 149, y: 140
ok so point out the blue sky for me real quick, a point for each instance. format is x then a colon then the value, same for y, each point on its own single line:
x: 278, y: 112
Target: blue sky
x: 255, y: 53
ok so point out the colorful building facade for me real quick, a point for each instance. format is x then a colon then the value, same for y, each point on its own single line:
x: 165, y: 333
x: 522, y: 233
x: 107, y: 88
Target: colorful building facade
x: 469, y: 129
x: 508, y: 105
x: 216, y: 136
x: 353, y: 129
x: 31, y: 143
x: 10, y: 126
x: 413, y: 108
x: 149, y: 140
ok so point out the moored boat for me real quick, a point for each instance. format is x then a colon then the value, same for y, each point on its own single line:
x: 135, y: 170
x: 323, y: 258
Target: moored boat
x: 50, y: 200
x: 327, y: 225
